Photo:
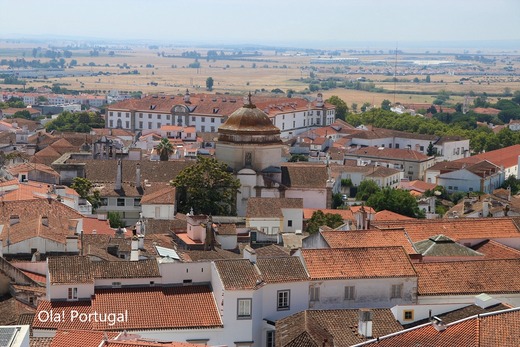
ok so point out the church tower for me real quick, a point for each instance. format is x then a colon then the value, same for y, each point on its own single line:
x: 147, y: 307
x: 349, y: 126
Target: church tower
x: 250, y: 144
x: 248, y: 139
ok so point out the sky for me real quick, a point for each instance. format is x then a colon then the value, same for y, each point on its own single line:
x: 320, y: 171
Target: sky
x: 271, y: 22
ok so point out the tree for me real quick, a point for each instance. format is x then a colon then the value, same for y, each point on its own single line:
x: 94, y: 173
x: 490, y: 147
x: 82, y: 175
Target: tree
x: 79, y: 122
x: 83, y: 187
x: 22, y: 114
x: 319, y: 219
x: 114, y: 218
x: 207, y: 187
x: 354, y: 107
x: 341, y: 106
x: 366, y: 189
x: 41, y: 100
x: 431, y: 150
x: 209, y: 83
x: 385, y: 104
x: 428, y: 79
x: 513, y: 183
x: 165, y: 149
x: 395, y: 200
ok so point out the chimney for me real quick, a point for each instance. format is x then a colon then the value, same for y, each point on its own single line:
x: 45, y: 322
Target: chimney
x: 438, y: 324
x: 45, y: 221
x: 119, y: 175
x: 134, y: 255
x: 319, y: 100
x: 14, y: 219
x: 365, y: 323
x: 250, y: 253
x: 485, y: 208
x: 140, y: 243
x: 72, y: 244
x: 187, y: 96
x: 138, y: 175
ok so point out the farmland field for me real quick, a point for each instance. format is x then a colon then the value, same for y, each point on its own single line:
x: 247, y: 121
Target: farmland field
x: 139, y: 68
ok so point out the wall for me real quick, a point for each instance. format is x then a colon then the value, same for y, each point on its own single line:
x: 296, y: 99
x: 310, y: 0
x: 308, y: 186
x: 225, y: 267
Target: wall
x: 61, y: 291
x: 421, y: 312
x: 273, y: 225
x: 41, y: 244
x: 142, y: 282
x: 296, y: 216
x: 312, y: 197
x: 371, y: 293
x: 165, y: 211
x: 39, y: 267
x: 177, y: 272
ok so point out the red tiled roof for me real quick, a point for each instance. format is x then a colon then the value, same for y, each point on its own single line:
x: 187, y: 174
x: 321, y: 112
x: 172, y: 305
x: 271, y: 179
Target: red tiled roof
x: 186, y: 307
x: 349, y: 263
x: 389, y: 153
x: 165, y: 195
x: 34, y: 276
x: 468, y: 277
x: 494, y: 250
x: 101, y: 227
x: 487, y: 330
x: 455, y: 229
x: 389, y: 215
x: 369, y: 238
x: 80, y: 338
x: 506, y: 157
x: 238, y: 274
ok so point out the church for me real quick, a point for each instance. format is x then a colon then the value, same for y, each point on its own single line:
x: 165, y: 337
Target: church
x: 251, y: 146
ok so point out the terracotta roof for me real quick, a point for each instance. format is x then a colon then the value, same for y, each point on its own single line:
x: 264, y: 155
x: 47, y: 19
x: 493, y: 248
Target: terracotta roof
x: 495, y: 250
x: 507, y: 156
x: 468, y: 277
x: 336, y: 327
x: 271, y: 251
x: 226, y: 229
x: 100, y: 226
x: 455, y: 229
x: 239, y: 274
x: 162, y: 196
x: 486, y: 110
x: 40, y: 341
x: 11, y: 309
x: 389, y: 215
x: 304, y: 175
x: 185, y: 307
x: 287, y: 269
x: 26, y: 167
x: 369, y: 238
x: 388, y: 153
x: 35, y: 277
x: 271, y: 207
x: 153, y: 171
x: 493, y: 329
x: 350, y: 263
x: 80, y: 269
x: 61, y: 219
x: 80, y: 338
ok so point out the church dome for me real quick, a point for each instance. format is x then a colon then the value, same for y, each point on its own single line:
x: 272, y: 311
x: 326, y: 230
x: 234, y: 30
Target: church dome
x: 249, y: 124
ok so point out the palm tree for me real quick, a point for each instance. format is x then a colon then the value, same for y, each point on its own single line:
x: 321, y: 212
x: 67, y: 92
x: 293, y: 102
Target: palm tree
x: 165, y: 149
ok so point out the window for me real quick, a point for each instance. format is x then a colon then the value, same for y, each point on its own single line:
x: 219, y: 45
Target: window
x: 140, y: 125
x: 120, y: 202
x: 270, y: 338
x: 111, y: 122
x: 149, y: 125
x: 203, y: 128
x: 350, y: 293
x: 137, y: 201
x: 314, y: 293
x: 193, y: 119
x: 140, y: 115
x: 408, y: 315
x: 202, y: 119
x: 116, y: 284
x: 127, y: 124
x: 119, y: 115
x: 104, y: 202
x: 212, y: 120
x: 397, y: 291
x: 289, y: 223
x: 72, y: 294
x: 158, y: 116
x: 396, y: 145
x: 244, y: 309
x: 421, y: 148
x: 283, y: 300
x: 149, y: 116
x: 111, y: 113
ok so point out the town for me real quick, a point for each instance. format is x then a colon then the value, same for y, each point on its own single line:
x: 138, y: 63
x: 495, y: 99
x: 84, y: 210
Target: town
x: 259, y: 174
x: 245, y: 220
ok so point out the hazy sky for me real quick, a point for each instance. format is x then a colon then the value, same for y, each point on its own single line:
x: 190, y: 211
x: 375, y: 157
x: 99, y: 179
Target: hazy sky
x: 285, y: 22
